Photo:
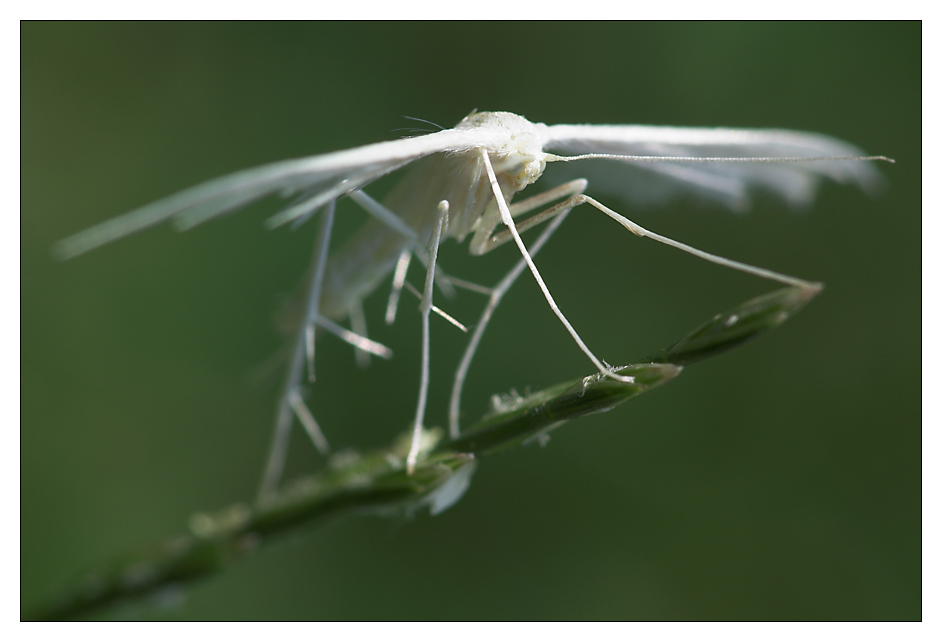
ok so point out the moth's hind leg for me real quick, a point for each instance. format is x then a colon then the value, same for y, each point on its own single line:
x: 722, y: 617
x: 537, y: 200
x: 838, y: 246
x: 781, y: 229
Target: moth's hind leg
x: 507, y: 219
x: 495, y: 296
x: 637, y: 230
x: 482, y: 243
x: 290, y: 402
x: 399, y: 280
x: 358, y: 326
x: 426, y: 309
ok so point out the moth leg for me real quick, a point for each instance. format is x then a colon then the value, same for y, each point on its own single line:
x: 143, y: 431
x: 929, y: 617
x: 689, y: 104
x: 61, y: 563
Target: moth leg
x: 394, y: 222
x: 437, y: 310
x: 399, y: 282
x: 508, y: 220
x: 399, y: 278
x: 426, y: 307
x: 483, y: 242
x: 637, y: 230
x: 358, y: 326
x: 290, y: 401
x: 358, y: 341
x: 377, y: 210
x: 495, y: 296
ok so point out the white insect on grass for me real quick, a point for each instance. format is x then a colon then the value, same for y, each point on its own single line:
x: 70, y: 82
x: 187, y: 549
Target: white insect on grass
x: 461, y: 182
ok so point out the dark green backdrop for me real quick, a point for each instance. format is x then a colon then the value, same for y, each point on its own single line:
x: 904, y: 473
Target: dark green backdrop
x: 781, y: 481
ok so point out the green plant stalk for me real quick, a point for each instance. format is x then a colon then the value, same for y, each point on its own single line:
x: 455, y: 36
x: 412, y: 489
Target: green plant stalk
x: 377, y: 483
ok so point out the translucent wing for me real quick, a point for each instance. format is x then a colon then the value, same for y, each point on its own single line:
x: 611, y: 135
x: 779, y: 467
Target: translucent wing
x: 729, y: 183
x: 315, y: 180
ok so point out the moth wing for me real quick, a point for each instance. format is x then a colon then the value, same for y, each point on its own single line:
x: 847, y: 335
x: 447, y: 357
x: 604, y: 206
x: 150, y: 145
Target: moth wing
x: 316, y: 179
x: 729, y: 183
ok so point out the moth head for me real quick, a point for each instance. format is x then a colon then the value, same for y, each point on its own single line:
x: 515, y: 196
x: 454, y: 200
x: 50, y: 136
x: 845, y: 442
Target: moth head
x: 515, y: 145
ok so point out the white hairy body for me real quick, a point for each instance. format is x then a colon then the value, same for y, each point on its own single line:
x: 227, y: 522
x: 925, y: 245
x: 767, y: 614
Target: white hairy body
x: 461, y: 182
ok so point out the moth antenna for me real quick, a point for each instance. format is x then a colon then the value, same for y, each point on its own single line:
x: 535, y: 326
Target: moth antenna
x: 550, y: 158
x: 412, y: 130
x: 422, y: 120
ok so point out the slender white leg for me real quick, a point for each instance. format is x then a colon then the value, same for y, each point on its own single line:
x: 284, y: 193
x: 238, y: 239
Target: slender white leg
x: 394, y: 222
x: 437, y: 310
x: 637, y: 230
x: 358, y: 325
x: 383, y: 213
x: 426, y: 308
x: 356, y: 340
x: 287, y: 403
x: 391, y: 219
x: 307, y: 420
x: 321, y: 248
x: 454, y: 408
x: 508, y: 220
x: 470, y: 285
x: 483, y: 242
x: 399, y: 278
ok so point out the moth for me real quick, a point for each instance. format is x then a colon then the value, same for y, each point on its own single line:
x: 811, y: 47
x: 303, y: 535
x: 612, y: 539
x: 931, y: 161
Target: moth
x: 462, y: 182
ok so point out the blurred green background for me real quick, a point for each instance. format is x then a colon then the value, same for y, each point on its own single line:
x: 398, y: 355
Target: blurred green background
x: 781, y: 481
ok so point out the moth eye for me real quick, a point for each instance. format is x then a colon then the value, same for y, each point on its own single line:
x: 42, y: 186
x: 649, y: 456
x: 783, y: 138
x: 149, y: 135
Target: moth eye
x: 536, y: 167
x: 531, y: 171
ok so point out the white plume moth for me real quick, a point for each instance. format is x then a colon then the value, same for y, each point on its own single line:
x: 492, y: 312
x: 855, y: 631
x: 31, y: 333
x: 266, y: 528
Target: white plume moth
x: 461, y: 182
